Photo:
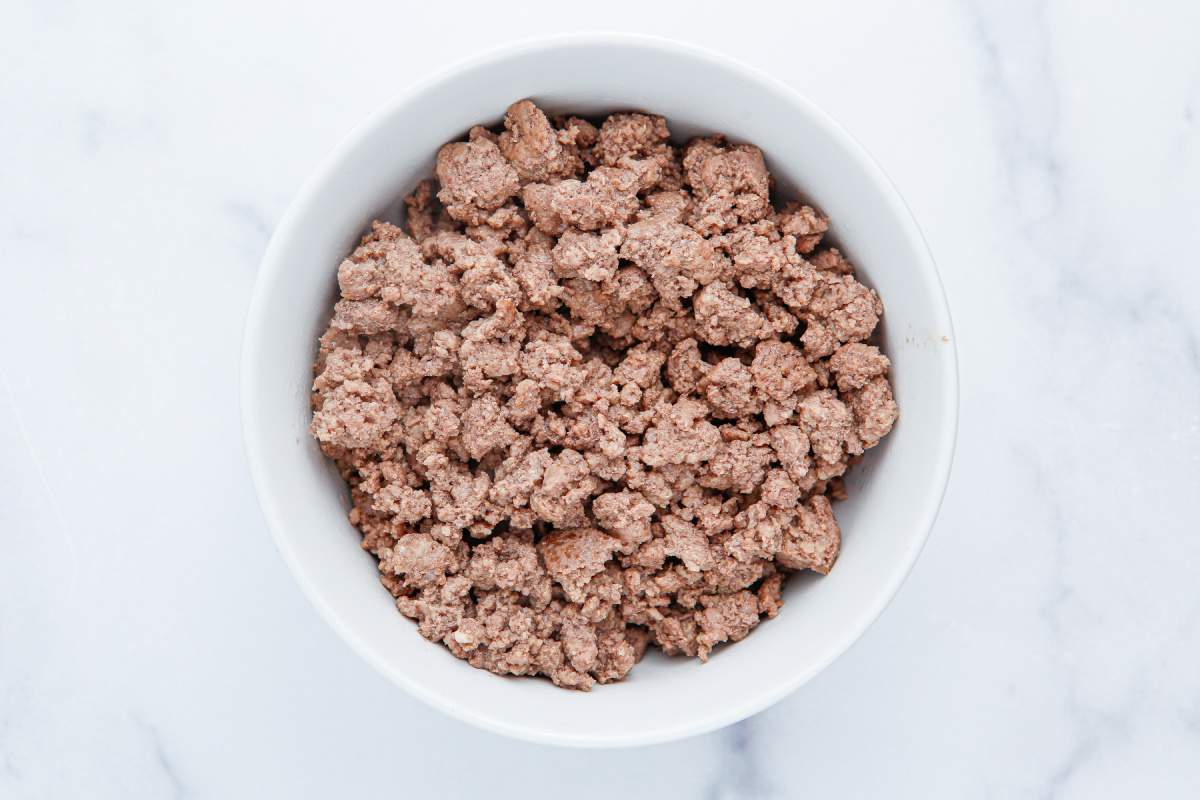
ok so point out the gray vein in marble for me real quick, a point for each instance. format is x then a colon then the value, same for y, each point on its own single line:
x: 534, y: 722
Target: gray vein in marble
x: 1185, y: 139
x: 251, y: 232
x: 1040, y: 482
x: 1096, y: 733
x: 1026, y: 110
x: 1190, y: 716
x: 165, y: 763
x: 64, y: 530
x: 253, y: 224
x: 1084, y: 745
x: 1108, y: 301
x: 1153, y: 305
x: 94, y: 125
x: 1026, y: 114
x: 1026, y: 134
x: 1191, y: 101
x: 740, y: 775
x: 1094, y: 730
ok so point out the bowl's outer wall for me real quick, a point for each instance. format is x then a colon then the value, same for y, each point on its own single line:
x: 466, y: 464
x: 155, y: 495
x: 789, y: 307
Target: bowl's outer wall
x: 894, y: 493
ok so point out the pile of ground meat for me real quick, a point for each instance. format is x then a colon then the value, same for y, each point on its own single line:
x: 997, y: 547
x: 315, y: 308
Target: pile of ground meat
x: 597, y: 394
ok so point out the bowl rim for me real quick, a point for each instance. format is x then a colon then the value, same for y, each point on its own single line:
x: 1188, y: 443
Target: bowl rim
x: 255, y: 333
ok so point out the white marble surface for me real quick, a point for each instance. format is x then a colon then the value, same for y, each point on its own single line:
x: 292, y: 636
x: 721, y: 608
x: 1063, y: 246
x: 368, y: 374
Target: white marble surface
x: 152, y: 643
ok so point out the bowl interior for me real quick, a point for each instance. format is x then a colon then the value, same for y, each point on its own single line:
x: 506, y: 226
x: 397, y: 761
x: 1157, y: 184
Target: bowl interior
x: 894, y: 492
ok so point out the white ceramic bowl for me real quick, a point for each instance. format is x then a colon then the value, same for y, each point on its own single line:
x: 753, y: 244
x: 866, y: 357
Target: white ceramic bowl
x: 894, y: 493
